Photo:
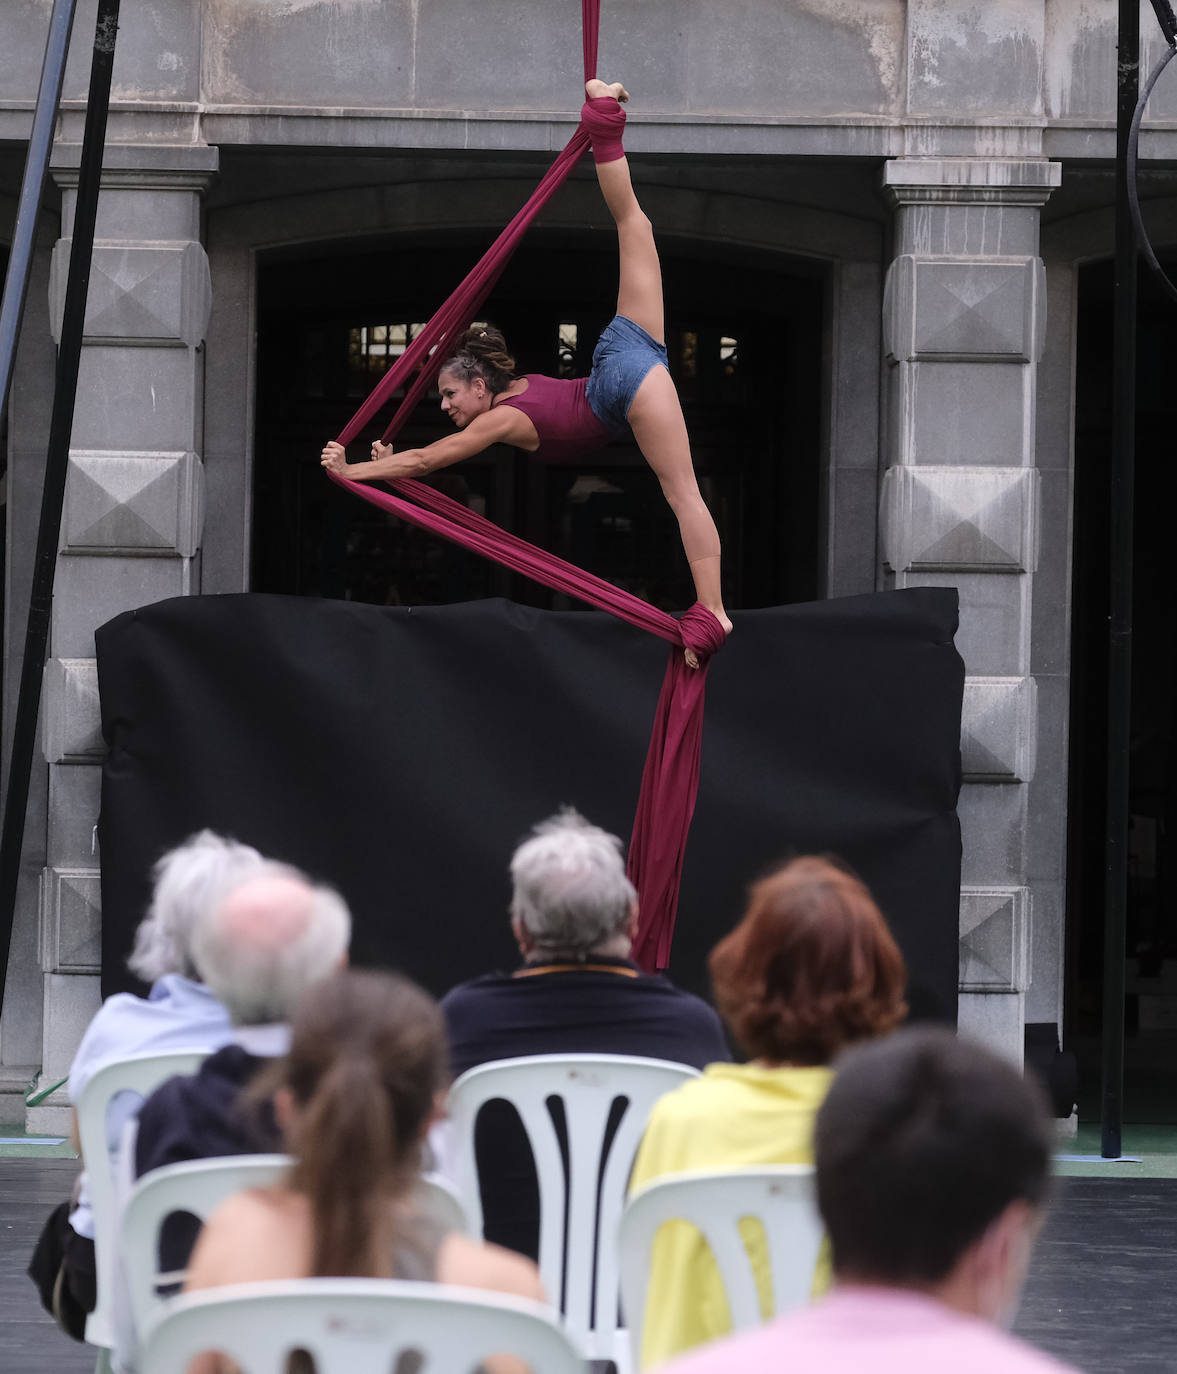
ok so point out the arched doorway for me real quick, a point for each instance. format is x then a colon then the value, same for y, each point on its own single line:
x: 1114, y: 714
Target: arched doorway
x: 745, y: 338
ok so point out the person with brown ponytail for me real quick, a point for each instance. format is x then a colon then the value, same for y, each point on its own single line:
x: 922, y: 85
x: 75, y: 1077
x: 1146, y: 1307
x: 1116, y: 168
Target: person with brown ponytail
x: 629, y: 389
x: 363, y: 1081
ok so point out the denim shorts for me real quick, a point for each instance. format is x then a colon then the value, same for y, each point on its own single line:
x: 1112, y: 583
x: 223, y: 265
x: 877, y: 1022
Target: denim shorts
x: 623, y: 357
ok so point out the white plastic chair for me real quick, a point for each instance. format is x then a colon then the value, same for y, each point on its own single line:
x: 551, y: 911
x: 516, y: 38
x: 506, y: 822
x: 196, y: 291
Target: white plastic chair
x: 140, y: 1074
x: 780, y: 1196
x: 441, y: 1200
x: 357, y: 1326
x: 198, y: 1187
x: 582, y: 1263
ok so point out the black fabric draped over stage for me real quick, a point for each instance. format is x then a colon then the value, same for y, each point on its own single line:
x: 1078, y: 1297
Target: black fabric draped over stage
x: 400, y: 754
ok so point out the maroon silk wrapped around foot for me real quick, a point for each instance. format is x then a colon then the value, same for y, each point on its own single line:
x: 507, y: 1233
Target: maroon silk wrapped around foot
x: 603, y: 119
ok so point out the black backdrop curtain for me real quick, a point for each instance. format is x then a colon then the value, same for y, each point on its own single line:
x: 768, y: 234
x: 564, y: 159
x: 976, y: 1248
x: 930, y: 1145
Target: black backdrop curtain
x: 401, y: 754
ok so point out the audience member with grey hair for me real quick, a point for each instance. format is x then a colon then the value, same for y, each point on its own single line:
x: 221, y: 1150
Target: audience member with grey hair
x: 571, y: 895
x: 271, y: 936
x: 188, y: 880
x: 179, y: 1013
x: 573, y: 915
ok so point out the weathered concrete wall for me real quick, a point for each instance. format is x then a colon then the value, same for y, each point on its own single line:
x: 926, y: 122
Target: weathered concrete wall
x: 846, y: 77
x: 975, y: 60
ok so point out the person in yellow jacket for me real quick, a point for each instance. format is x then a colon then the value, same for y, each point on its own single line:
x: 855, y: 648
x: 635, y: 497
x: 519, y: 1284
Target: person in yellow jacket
x: 810, y: 969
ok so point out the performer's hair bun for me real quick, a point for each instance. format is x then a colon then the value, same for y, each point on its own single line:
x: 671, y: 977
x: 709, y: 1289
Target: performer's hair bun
x: 482, y: 352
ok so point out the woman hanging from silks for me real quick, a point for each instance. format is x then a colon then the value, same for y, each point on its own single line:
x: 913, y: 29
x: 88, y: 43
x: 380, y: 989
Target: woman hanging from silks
x: 629, y: 388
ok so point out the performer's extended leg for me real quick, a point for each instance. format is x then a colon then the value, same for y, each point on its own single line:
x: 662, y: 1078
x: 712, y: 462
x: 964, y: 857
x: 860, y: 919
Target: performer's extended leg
x: 657, y: 422
x: 655, y: 415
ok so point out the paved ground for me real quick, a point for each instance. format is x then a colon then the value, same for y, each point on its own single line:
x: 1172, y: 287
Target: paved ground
x: 30, y: 1343
x: 1099, y: 1296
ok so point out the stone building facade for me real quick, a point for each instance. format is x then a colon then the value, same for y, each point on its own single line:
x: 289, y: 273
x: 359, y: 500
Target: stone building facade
x: 945, y: 166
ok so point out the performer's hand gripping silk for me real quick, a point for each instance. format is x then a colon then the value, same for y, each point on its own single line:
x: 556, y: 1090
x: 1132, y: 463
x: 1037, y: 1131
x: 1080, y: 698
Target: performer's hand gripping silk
x: 630, y: 385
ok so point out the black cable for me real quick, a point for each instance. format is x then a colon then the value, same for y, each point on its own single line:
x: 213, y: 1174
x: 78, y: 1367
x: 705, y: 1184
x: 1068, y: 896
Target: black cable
x: 1166, y: 19
x: 1142, y: 239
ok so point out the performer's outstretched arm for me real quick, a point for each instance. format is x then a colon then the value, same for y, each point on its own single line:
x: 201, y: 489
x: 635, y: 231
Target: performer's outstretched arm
x: 499, y: 425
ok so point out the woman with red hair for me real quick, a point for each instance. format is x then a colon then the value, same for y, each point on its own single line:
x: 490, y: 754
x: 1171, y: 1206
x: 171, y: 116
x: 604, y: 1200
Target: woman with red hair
x: 810, y: 969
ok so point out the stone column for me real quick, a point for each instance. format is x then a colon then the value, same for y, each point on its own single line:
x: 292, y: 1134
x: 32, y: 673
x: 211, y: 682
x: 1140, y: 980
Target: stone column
x: 964, y: 321
x: 132, y: 519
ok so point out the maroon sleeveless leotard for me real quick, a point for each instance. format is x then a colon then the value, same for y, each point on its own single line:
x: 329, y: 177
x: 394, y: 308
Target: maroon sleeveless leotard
x: 563, y: 419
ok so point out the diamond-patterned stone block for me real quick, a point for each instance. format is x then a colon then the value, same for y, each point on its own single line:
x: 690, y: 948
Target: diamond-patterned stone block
x: 71, y: 920
x: 71, y: 1001
x: 940, y: 309
x: 994, y: 939
x: 158, y: 293
x: 999, y: 729
x: 133, y: 503
x: 960, y: 519
x: 71, y: 712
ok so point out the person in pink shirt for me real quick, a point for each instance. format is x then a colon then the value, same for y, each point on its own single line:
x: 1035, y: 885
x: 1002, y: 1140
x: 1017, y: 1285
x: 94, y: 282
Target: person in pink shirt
x: 933, y: 1160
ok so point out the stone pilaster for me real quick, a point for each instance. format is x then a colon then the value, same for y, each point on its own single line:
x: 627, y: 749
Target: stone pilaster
x: 964, y: 321
x: 132, y: 520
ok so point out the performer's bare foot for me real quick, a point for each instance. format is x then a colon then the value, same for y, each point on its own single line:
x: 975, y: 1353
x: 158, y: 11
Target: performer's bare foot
x: 598, y: 90
x: 720, y: 615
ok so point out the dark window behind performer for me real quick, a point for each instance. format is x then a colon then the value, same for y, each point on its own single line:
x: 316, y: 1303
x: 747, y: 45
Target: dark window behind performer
x: 560, y: 419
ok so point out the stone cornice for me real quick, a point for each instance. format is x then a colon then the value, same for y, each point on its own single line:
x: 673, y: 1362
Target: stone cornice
x: 141, y: 166
x: 970, y: 180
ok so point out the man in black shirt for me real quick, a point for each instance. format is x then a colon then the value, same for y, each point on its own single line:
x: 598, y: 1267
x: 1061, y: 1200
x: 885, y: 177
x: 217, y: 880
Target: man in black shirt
x: 573, y: 914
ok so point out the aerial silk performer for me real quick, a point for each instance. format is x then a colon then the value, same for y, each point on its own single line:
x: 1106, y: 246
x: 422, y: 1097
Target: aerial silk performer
x: 630, y: 389
x: 560, y: 420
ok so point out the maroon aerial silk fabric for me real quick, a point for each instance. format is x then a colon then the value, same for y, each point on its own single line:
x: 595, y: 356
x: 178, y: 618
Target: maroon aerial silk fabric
x: 670, y: 779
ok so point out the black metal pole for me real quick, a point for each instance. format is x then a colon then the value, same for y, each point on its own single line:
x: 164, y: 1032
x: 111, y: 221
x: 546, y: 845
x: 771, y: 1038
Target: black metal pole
x: 69, y: 354
x: 1120, y: 504
x: 20, y: 258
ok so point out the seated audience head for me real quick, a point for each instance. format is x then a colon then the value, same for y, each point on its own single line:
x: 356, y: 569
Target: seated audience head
x: 354, y: 1096
x: 571, y: 897
x: 811, y: 967
x: 271, y: 936
x: 188, y: 880
x: 933, y: 1159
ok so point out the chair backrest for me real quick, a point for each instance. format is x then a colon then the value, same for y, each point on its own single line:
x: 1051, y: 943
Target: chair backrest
x: 780, y: 1196
x: 140, y: 1074
x: 442, y: 1201
x: 198, y: 1187
x: 578, y: 1265
x: 357, y: 1326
